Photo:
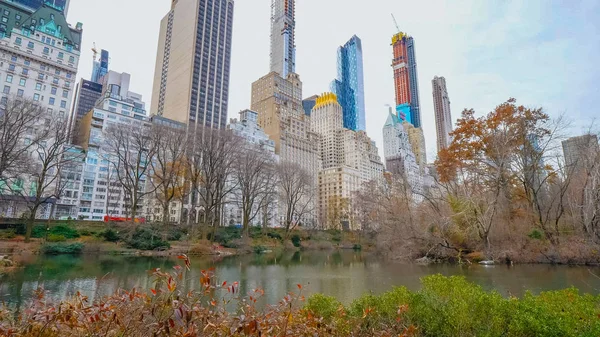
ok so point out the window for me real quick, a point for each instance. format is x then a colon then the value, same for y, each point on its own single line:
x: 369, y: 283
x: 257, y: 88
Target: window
x: 22, y: 82
x: 25, y: 71
x: 36, y: 97
x: 46, y: 50
x: 27, y: 62
x: 55, y: 80
x: 6, y: 12
x: 61, y: 55
x: 57, y: 72
x: 51, y: 101
x: 67, y: 84
x: 18, y: 41
x: 20, y: 92
x: 30, y: 45
x: 38, y: 86
x: 11, y: 67
x: 63, y: 104
x: 4, y: 19
x: 69, y: 75
x: 18, y: 17
x: 4, y: 100
x: 40, y: 76
x: 65, y: 93
x: 9, y: 78
x: 53, y: 90
x: 71, y: 59
x: 6, y: 89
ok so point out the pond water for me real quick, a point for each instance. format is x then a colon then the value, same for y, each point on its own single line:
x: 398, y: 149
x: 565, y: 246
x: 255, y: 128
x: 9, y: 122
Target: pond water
x: 343, y: 274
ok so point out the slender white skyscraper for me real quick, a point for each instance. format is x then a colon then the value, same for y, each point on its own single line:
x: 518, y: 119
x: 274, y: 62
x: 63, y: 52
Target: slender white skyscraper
x: 283, y: 47
x: 443, y: 115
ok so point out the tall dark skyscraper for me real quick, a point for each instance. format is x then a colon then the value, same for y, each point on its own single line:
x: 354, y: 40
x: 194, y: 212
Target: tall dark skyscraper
x: 191, y: 77
x: 35, y: 4
x: 350, y: 84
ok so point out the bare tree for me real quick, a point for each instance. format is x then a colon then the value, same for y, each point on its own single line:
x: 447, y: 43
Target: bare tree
x: 212, y: 155
x: 49, y: 157
x: 296, y: 194
x: 18, y: 135
x: 168, y: 166
x: 130, y: 150
x: 254, y: 176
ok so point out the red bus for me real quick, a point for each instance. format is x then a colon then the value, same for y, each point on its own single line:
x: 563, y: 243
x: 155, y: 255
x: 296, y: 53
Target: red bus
x: 120, y: 219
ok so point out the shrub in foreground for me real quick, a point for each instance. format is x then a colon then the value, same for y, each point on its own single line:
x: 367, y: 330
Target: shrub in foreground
x: 443, y: 307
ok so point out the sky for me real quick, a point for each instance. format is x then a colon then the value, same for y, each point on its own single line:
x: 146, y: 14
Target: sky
x: 544, y: 53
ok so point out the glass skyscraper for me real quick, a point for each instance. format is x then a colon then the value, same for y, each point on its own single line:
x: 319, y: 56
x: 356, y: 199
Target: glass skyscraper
x: 349, y: 86
x: 406, y: 77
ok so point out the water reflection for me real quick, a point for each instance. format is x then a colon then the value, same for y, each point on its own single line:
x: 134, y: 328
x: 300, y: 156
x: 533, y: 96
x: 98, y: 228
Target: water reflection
x: 343, y: 274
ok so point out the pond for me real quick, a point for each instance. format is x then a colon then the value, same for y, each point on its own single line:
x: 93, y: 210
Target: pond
x: 343, y: 274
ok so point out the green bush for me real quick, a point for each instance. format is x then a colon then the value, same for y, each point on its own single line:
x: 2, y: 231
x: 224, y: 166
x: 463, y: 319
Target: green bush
x: 56, y: 238
x: 357, y: 246
x: 536, y: 235
x: 146, y: 239
x: 226, y: 236
x: 259, y: 249
x: 62, y: 248
x: 110, y: 235
x: 85, y: 232
x: 336, y: 235
x: 296, y: 240
x: 66, y: 231
x: 175, y: 234
x: 323, y: 306
x: 451, y: 306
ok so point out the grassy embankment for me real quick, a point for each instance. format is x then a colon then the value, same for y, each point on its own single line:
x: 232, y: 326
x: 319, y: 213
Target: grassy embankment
x: 157, y: 239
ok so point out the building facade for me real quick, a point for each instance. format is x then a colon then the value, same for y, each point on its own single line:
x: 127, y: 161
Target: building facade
x: 406, y: 82
x: 399, y: 157
x: 443, y: 115
x: 87, y: 93
x: 349, y: 85
x: 349, y: 159
x: 283, y: 45
x: 191, y: 78
x: 101, y: 193
x: 99, y: 67
x: 40, y: 55
x: 577, y: 150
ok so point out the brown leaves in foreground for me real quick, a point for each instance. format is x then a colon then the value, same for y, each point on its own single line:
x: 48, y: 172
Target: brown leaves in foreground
x: 166, y: 311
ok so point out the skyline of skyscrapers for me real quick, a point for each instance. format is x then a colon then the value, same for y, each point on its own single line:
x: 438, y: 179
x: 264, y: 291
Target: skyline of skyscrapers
x: 283, y: 37
x: 350, y: 84
x: 191, y: 78
x: 443, y: 114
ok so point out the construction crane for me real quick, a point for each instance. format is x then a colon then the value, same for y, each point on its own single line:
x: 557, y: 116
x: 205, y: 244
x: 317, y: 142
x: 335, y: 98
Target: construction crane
x: 396, y: 23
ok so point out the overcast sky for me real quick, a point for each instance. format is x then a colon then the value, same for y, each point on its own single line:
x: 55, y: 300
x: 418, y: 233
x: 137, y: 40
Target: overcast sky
x: 544, y: 53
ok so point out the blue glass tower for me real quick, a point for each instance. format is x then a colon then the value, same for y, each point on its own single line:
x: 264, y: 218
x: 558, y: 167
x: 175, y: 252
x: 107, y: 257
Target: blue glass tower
x: 349, y: 86
x: 415, y: 111
x: 100, y: 67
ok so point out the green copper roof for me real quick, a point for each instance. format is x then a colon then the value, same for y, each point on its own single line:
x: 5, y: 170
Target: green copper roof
x: 46, y: 19
x: 392, y: 120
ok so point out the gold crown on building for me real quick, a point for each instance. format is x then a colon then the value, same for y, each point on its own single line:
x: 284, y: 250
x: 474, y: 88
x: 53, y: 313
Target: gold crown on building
x: 399, y: 37
x: 326, y: 98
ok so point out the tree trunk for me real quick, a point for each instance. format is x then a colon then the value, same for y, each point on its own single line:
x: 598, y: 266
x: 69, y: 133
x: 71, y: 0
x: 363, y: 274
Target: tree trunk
x: 165, y: 213
x: 30, y: 223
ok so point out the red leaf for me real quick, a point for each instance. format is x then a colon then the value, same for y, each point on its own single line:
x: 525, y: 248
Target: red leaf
x: 171, y: 323
x: 299, y: 286
x: 153, y: 291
